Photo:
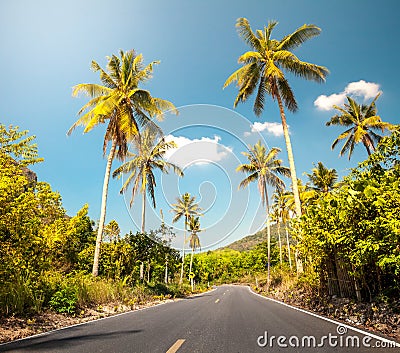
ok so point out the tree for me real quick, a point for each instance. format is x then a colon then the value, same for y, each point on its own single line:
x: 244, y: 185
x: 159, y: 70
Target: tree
x: 275, y: 217
x: 352, y: 234
x: 185, y: 206
x: 281, y: 209
x: 264, y: 168
x: 150, y: 152
x: 124, y: 106
x: 361, y: 121
x: 167, y: 235
x: 307, y: 196
x: 194, y: 241
x: 17, y: 145
x: 112, y: 231
x: 263, y: 71
x: 322, y: 178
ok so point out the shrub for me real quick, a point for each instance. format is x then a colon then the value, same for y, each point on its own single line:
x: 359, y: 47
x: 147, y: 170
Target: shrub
x: 64, y: 301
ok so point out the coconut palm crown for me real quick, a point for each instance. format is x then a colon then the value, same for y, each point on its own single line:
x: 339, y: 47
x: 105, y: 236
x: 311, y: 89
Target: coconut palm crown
x: 322, y: 178
x: 361, y: 121
x: 150, y: 150
x: 263, y: 73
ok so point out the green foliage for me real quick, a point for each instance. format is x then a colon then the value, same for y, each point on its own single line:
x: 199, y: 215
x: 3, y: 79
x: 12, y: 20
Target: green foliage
x: 249, y: 242
x: 226, y: 266
x: 64, y: 301
x: 356, y: 227
x: 20, y: 147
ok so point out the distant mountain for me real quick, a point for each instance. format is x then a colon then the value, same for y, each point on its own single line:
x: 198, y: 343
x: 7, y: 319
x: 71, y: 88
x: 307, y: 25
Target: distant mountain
x: 251, y: 241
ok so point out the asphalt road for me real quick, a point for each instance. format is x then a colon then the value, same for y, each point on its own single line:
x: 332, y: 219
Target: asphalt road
x: 227, y: 319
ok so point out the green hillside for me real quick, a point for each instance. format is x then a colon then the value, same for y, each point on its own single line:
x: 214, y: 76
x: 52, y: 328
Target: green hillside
x: 250, y: 241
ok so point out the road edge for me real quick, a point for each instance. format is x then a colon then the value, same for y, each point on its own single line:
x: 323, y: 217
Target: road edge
x: 168, y: 301
x: 366, y: 333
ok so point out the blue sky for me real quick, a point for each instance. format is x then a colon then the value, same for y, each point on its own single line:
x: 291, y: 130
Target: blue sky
x: 47, y: 46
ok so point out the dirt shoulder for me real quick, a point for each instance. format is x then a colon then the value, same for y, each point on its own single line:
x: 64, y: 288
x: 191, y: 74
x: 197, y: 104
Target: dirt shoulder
x: 380, y: 318
x: 13, y: 328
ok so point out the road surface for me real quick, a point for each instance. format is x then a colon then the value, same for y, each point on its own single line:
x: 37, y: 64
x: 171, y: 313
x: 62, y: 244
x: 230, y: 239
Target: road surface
x: 228, y: 319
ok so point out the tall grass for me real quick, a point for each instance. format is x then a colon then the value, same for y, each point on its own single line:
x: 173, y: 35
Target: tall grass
x: 29, y: 294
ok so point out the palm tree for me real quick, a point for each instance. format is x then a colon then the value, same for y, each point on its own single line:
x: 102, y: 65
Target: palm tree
x: 263, y: 71
x: 361, y: 120
x: 194, y: 241
x: 185, y: 207
x: 282, y: 215
x: 264, y: 168
x: 123, y: 106
x: 275, y: 217
x: 306, y: 193
x: 150, y: 153
x: 322, y: 178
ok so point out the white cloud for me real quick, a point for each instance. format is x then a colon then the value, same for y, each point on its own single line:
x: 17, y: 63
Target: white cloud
x: 363, y: 89
x: 327, y: 102
x: 273, y: 128
x: 200, y: 151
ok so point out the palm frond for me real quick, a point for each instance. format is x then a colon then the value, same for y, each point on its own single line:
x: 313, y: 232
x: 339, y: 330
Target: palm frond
x: 104, y: 77
x: 246, y: 33
x: 299, y: 36
x: 287, y: 95
x: 90, y: 89
x: 249, y: 179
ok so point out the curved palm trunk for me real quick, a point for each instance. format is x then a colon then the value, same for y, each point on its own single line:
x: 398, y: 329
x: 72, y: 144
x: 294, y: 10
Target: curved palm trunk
x: 288, y: 247
x: 143, y: 211
x: 299, y: 264
x: 110, y: 158
x: 183, y: 252
x: 290, y: 157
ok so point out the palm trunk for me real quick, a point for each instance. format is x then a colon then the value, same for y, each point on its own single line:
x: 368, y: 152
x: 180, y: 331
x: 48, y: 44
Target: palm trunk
x: 141, y: 271
x: 269, y: 250
x: 190, y: 268
x: 299, y: 264
x: 183, y: 252
x: 288, y: 247
x: 290, y: 157
x: 280, y: 243
x: 143, y: 210
x: 268, y: 236
x: 110, y: 158
x: 369, y: 144
x: 166, y: 270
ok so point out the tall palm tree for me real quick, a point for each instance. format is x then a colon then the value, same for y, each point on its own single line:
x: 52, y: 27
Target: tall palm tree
x: 263, y: 71
x: 185, y: 206
x: 150, y: 153
x: 322, y: 178
x: 265, y: 168
x: 124, y: 107
x: 361, y: 120
x: 194, y: 241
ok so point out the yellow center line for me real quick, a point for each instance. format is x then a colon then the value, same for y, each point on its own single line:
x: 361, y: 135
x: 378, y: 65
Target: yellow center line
x: 175, y: 346
x: 217, y: 301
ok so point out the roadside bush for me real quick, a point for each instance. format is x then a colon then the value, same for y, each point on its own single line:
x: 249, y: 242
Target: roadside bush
x: 64, y: 301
